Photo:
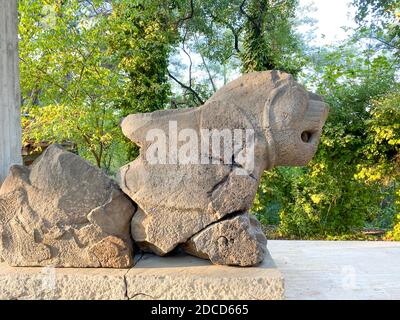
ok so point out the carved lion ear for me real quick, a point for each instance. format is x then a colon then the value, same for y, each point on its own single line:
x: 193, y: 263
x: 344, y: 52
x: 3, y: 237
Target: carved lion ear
x: 285, y: 105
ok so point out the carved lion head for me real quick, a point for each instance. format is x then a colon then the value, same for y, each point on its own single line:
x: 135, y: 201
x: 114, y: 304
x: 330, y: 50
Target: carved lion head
x: 291, y: 117
x: 294, y: 117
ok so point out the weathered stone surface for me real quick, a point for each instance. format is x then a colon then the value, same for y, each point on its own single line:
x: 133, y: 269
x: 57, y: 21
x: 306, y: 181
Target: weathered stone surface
x: 64, y: 212
x: 179, y: 199
x: 185, y: 277
x: 47, y: 283
x: 235, y: 241
x: 180, y: 277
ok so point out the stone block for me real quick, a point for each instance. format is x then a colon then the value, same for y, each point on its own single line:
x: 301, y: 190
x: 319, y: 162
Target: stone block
x: 179, y: 277
x: 190, y: 278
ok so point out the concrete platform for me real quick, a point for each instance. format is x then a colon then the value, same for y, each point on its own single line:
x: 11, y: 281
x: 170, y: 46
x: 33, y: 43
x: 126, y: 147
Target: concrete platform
x: 178, y: 277
x: 338, y: 269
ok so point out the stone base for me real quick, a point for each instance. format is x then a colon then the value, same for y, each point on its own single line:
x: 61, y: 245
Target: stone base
x: 178, y: 277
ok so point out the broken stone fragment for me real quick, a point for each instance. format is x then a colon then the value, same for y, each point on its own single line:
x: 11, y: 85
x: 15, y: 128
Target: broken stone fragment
x: 181, y: 212
x: 237, y: 241
x: 64, y: 212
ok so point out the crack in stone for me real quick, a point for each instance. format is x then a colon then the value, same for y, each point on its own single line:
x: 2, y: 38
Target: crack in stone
x: 141, y: 294
x: 140, y: 258
x: 126, y: 285
x: 225, y: 178
x: 219, y: 183
x: 125, y: 175
x: 126, y: 296
x: 228, y: 216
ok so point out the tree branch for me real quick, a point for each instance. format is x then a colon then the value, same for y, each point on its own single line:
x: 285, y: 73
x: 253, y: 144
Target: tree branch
x: 190, y: 59
x: 230, y: 27
x: 388, y: 44
x: 195, y: 94
x: 251, y: 19
x: 50, y: 79
x: 189, y: 16
x: 208, y: 72
x: 87, y: 139
x: 236, y: 37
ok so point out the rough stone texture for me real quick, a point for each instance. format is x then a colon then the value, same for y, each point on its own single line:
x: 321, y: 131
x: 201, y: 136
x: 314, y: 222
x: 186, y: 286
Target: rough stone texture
x: 178, y: 277
x: 64, y: 212
x: 10, y: 122
x: 234, y: 241
x: 177, y: 201
x: 46, y: 283
x: 186, y: 277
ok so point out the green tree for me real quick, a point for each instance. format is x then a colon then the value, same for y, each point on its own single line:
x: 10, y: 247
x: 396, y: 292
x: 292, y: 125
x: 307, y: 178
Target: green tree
x: 327, y: 198
x: 69, y: 84
x: 142, y: 35
x: 379, y: 20
x: 87, y: 64
x: 269, y: 41
x: 382, y: 157
x: 233, y: 36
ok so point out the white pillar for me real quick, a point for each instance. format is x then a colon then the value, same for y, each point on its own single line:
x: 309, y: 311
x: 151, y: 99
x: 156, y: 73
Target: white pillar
x: 10, y: 121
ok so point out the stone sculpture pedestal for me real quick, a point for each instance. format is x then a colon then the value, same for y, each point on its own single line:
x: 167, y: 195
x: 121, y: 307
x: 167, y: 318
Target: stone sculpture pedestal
x: 178, y: 277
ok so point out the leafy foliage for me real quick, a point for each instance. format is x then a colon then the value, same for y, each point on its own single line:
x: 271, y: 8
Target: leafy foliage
x: 380, y: 21
x: 330, y: 197
x: 87, y: 64
x: 69, y: 86
x: 140, y: 41
x: 269, y: 42
x: 382, y: 156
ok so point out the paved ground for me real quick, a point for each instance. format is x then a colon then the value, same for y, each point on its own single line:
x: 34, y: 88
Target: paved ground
x: 338, y: 269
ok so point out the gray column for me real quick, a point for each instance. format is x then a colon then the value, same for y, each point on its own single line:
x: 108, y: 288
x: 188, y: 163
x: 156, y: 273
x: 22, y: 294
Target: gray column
x: 10, y: 121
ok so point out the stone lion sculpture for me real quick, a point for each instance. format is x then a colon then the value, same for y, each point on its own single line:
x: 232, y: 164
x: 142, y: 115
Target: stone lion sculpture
x: 197, y: 199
